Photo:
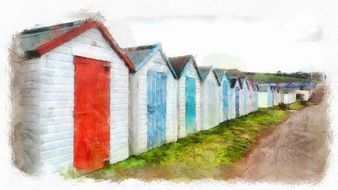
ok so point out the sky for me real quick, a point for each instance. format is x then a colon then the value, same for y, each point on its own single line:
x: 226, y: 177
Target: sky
x: 257, y: 36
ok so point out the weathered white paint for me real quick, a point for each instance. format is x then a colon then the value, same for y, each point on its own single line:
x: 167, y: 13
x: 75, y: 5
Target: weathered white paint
x: 138, y: 104
x: 279, y: 97
x: 275, y: 97
x: 255, y: 100
x: 48, y: 95
x: 251, y: 99
x: 221, y: 115
x: 305, y: 94
x: 263, y: 100
x: 210, y: 101
x: 26, y: 113
x: 289, y: 97
x: 232, y: 101
x: 191, y: 72
x: 244, y: 99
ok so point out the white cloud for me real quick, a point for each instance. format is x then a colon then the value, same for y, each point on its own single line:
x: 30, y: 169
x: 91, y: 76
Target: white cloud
x: 263, y: 46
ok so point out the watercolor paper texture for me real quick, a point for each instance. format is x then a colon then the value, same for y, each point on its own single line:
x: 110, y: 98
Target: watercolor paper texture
x: 205, y: 92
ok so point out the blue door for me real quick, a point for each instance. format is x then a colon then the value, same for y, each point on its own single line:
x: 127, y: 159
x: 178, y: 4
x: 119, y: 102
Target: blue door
x: 190, y: 105
x: 156, y: 108
x: 237, y: 101
x: 225, y: 101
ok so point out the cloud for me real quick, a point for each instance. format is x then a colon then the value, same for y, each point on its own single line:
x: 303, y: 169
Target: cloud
x: 200, y: 18
x: 303, y: 27
x: 223, y: 60
x: 315, y: 35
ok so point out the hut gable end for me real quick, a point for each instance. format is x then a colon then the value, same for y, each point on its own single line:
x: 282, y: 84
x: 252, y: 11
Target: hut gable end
x: 39, y: 41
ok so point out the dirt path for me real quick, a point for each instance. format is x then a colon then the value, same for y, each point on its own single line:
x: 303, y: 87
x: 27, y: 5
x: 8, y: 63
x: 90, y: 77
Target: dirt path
x: 296, y: 152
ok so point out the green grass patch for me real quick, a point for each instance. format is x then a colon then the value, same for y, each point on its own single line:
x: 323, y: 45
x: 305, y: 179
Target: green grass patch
x: 296, y: 105
x: 201, y: 155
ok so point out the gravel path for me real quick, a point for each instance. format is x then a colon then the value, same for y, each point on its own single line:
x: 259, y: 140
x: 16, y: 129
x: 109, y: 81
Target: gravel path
x: 297, y: 151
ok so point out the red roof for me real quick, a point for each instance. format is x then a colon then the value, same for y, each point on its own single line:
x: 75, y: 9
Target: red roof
x: 76, y: 31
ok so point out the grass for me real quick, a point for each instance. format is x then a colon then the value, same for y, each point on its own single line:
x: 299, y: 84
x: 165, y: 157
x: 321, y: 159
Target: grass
x: 207, y: 154
x: 295, y: 106
x: 277, y: 78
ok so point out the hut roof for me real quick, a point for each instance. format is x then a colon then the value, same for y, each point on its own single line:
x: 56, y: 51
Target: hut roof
x: 179, y: 63
x: 242, y: 81
x: 233, y: 82
x: 204, y: 71
x: 140, y: 55
x: 220, y: 74
x: 38, y: 41
x: 251, y: 85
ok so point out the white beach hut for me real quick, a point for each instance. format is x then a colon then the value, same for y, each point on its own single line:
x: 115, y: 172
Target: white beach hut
x: 289, y: 93
x: 225, y: 96
x: 244, y: 108
x: 265, y: 96
x: 153, y: 99
x: 210, y: 100
x: 189, y: 94
x: 70, y: 98
x: 234, y: 99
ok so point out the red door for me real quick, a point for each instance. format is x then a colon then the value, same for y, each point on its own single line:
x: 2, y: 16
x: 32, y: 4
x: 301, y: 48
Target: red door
x: 91, y: 114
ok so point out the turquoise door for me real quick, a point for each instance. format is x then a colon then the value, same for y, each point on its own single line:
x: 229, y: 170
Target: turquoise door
x: 156, y: 108
x: 237, y: 101
x: 190, y: 105
x: 225, y: 100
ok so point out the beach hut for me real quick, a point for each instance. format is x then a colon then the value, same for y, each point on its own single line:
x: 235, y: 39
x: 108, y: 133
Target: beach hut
x: 244, y: 96
x: 255, y: 97
x: 251, y: 96
x: 70, y: 98
x: 210, y: 100
x: 305, y: 91
x: 265, y: 96
x: 189, y: 94
x: 224, y: 94
x: 234, y: 99
x: 288, y: 93
x: 153, y: 99
x: 279, y: 95
x: 274, y: 89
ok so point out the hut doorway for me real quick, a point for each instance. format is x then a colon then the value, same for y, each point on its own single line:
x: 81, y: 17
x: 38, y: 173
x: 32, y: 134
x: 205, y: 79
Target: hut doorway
x: 237, y: 101
x: 190, y: 104
x: 156, y: 108
x: 91, y: 114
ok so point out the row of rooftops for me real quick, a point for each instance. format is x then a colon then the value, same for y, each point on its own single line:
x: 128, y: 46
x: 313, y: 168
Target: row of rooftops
x: 38, y: 41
